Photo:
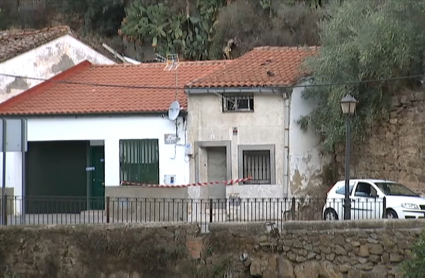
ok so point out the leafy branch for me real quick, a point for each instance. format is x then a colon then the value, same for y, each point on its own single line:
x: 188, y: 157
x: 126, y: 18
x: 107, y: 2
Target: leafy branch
x: 184, y: 29
x: 364, y: 40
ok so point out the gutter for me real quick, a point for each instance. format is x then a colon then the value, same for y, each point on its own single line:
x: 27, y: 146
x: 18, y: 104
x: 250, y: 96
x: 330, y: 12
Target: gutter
x: 261, y: 90
x: 115, y: 53
x: 286, y: 159
x: 162, y: 114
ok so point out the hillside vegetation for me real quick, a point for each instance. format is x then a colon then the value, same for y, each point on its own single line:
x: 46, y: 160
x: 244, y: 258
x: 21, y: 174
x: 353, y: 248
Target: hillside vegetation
x: 195, y: 29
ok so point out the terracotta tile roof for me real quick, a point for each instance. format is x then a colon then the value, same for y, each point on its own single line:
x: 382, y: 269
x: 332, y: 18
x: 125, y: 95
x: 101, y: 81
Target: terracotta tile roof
x: 261, y: 67
x: 108, y: 89
x: 16, y: 42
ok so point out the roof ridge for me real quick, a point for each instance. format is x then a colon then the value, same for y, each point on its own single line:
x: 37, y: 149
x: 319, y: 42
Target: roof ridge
x: 161, y: 64
x: 265, y: 65
x: 22, y: 32
x: 44, y: 85
x: 282, y: 48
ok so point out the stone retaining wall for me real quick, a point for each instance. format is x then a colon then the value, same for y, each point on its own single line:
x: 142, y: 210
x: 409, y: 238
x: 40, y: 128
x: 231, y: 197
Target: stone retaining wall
x: 319, y: 249
x: 304, y: 249
x: 394, y: 148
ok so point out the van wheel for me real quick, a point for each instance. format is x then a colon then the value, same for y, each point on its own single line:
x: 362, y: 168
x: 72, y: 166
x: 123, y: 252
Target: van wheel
x: 391, y: 214
x: 330, y: 215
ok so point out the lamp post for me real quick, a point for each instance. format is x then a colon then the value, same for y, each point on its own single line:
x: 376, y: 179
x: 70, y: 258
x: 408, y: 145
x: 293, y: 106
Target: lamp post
x: 348, y: 106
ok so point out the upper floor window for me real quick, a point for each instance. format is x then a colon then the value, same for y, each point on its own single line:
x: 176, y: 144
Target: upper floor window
x: 238, y: 103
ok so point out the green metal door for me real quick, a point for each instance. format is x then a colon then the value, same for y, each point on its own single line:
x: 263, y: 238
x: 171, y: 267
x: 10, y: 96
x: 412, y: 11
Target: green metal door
x: 97, y: 189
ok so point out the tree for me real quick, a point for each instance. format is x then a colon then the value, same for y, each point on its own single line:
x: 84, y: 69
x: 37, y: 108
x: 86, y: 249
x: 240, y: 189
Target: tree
x: 95, y: 16
x: 277, y: 23
x: 179, y: 26
x: 363, y: 40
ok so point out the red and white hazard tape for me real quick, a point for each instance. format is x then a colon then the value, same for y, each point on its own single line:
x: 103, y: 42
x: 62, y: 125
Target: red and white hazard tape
x: 229, y: 182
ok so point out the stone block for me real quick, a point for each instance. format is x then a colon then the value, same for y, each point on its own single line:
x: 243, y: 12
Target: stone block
x: 395, y: 258
x: 330, y: 257
x: 291, y: 256
x: 376, y: 249
x: 255, y: 268
x: 375, y: 258
x: 285, y: 268
x: 364, y: 251
x: 325, y: 249
x: 340, y: 250
x: 270, y: 274
x: 195, y: 247
x: 344, y: 268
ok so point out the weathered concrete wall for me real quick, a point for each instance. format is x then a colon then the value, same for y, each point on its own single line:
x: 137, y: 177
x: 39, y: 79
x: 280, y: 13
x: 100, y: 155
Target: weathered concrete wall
x: 207, y: 123
x: 395, y: 147
x: 303, y: 249
x: 306, y: 161
x: 45, y: 62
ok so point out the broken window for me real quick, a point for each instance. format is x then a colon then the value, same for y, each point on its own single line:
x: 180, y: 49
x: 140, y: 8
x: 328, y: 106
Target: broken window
x: 238, y: 103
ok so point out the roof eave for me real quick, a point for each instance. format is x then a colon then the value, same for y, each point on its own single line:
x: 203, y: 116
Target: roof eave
x: 230, y: 90
x: 81, y: 115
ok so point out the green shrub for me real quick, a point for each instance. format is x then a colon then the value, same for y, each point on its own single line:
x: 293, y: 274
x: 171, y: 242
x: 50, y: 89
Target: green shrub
x: 415, y: 267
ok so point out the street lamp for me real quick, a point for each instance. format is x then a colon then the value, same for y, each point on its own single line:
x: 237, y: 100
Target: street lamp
x: 348, y: 106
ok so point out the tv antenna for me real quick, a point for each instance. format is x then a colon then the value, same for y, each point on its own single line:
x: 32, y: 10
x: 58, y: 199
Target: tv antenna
x: 159, y: 58
x: 171, y: 62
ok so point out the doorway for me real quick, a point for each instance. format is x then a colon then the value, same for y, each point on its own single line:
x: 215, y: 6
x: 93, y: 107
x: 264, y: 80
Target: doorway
x: 55, y: 177
x: 216, y: 171
x: 97, y: 179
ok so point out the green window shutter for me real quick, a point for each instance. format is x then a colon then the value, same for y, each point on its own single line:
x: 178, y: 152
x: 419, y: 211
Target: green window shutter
x: 139, y: 161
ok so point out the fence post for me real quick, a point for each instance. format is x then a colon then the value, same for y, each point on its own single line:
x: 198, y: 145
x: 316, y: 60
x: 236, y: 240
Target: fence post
x: 384, y: 207
x: 293, y: 208
x: 211, y: 210
x: 107, y: 209
x: 4, y: 209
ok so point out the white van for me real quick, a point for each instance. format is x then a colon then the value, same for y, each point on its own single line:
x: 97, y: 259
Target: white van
x: 367, y: 200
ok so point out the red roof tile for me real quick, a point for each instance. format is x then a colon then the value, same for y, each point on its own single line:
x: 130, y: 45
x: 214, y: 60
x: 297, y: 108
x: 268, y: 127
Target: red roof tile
x: 261, y: 67
x: 122, y: 94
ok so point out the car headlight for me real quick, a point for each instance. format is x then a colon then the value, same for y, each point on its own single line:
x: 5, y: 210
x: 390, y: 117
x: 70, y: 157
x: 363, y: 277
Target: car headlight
x: 410, y: 206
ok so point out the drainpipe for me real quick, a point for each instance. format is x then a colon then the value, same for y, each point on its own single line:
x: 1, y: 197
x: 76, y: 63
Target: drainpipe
x: 286, y: 146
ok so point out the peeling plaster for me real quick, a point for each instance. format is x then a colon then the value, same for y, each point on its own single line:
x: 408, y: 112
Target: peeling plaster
x: 64, y: 63
x: 306, y: 162
x: 44, y: 62
x: 19, y: 83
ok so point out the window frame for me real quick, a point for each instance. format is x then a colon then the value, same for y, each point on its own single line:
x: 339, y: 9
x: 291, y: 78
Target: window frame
x: 225, y: 98
x: 270, y: 147
x: 130, y: 168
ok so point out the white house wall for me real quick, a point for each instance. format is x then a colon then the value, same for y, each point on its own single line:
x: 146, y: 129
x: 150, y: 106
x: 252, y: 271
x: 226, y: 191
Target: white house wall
x: 111, y: 130
x: 45, y: 62
x: 305, y: 158
x: 207, y: 122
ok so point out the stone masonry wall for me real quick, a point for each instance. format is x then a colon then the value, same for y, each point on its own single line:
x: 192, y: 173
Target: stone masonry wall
x: 320, y: 249
x: 395, y: 147
x: 302, y: 250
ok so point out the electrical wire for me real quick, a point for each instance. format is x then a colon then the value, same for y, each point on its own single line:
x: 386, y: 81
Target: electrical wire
x: 397, y: 78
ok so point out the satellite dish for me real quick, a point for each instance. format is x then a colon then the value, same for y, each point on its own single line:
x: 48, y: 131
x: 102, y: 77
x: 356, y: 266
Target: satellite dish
x: 174, y: 110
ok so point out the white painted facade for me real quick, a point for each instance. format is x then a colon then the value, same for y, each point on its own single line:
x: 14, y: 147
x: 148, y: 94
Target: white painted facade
x: 108, y: 131
x: 45, y: 62
x: 305, y: 158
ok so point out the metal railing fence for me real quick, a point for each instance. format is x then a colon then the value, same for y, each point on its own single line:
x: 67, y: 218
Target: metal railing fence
x: 38, y: 210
